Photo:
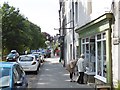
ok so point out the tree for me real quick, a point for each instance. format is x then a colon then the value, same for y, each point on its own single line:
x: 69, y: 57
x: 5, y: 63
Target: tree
x: 18, y: 32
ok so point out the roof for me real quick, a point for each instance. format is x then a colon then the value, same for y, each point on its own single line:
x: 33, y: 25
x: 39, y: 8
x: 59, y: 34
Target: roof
x: 7, y: 64
x: 32, y: 55
x: 13, y: 51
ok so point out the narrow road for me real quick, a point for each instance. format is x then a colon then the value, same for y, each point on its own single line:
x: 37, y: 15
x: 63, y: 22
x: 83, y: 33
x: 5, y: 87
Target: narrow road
x: 52, y: 75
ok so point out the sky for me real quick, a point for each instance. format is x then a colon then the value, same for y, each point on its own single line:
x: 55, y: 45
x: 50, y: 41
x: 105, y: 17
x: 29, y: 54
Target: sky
x: 43, y: 13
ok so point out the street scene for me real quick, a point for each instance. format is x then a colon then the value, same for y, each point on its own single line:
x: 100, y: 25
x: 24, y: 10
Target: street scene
x: 67, y: 44
x: 53, y: 75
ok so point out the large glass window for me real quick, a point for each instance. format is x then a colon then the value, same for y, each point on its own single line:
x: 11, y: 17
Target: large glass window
x: 99, y: 72
x: 101, y: 54
x: 4, y: 78
x: 104, y: 59
x: 92, y: 54
x: 88, y: 49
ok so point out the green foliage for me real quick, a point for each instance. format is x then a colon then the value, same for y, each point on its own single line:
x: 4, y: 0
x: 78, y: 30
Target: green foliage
x: 17, y: 32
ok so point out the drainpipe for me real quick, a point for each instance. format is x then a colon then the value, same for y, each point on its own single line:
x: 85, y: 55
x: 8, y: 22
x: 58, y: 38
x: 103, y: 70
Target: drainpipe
x: 73, y: 30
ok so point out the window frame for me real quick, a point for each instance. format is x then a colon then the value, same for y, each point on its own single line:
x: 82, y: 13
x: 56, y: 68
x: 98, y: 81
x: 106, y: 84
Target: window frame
x: 102, y: 40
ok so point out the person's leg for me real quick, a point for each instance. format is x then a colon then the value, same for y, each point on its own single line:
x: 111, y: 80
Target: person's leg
x: 82, y: 77
x: 78, y: 80
x: 71, y: 76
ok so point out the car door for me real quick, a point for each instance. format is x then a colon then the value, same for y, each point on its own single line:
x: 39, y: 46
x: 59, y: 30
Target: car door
x: 19, y: 78
x: 22, y: 76
x: 15, y: 78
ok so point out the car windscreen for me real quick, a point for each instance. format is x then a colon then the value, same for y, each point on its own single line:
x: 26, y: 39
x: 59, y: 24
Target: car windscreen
x: 26, y: 58
x: 11, y: 55
x: 4, y: 77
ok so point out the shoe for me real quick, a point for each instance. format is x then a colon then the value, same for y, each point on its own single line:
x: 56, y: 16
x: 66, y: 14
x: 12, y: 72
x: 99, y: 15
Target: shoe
x: 70, y: 80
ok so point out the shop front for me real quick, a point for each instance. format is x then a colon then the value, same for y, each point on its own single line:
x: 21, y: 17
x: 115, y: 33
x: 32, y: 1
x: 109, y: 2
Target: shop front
x: 95, y: 43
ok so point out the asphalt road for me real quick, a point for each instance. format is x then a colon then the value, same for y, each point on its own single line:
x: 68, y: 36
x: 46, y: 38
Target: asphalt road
x: 52, y: 75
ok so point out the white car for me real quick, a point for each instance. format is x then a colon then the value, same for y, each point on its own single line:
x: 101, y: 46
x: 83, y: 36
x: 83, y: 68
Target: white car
x: 29, y: 63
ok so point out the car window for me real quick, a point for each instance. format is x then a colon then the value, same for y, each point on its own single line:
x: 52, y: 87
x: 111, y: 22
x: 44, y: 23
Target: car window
x: 26, y: 58
x: 4, y: 77
x: 13, y: 52
x: 10, y: 54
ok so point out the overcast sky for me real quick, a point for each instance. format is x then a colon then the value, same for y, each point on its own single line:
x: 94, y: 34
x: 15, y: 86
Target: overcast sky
x: 44, y: 13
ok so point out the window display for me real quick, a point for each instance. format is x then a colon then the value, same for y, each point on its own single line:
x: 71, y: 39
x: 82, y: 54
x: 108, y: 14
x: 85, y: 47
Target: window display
x: 101, y: 54
x: 99, y: 72
x: 92, y: 56
x: 88, y: 48
x: 104, y: 59
x: 94, y: 49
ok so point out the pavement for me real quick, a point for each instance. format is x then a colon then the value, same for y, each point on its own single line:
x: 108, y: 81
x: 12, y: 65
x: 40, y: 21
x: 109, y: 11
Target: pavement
x: 54, y: 75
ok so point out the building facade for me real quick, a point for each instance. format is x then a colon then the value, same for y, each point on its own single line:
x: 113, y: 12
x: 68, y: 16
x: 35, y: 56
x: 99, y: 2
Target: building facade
x: 97, y: 35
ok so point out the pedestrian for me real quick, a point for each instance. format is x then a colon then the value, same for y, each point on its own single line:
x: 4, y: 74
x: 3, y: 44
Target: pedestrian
x: 71, y: 68
x: 81, y: 64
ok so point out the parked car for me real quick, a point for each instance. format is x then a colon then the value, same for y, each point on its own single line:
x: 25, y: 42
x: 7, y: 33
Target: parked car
x: 37, y: 57
x: 12, y: 76
x: 29, y: 63
x: 12, y: 56
x: 37, y: 53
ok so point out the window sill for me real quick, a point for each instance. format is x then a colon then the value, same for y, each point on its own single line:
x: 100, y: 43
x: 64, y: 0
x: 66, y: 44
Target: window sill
x: 103, y: 79
x: 90, y: 73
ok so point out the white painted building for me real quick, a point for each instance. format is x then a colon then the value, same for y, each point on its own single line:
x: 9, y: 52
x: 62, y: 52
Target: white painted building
x: 95, y: 22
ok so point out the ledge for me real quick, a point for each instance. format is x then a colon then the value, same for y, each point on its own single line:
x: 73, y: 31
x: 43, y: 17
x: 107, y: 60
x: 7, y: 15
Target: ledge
x: 100, y: 78
x: 90, y: 73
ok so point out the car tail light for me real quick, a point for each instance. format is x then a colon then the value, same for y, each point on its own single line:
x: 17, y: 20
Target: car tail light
x: 33, y: 63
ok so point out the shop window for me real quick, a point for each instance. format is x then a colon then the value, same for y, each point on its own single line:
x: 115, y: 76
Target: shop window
x: 99, y: 71
x: 98, y: 36
x: 88, y: 49
x: 87, y: 52
x: 87, y: 39
x: 92, y: 55
x: 83, y: 40
x: 104, y: 35
x: 104, y: 59
x: 101, y: 55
